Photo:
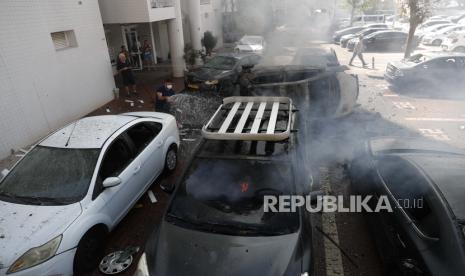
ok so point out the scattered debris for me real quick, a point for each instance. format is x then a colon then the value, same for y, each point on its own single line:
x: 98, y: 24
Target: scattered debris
x: 141, y: 101
x: 108, y: 110
x: 138, y: 206
x: 152, y: 197
x: 194, y: 110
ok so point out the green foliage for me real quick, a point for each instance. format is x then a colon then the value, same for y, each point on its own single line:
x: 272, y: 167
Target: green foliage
x: 209, y: 42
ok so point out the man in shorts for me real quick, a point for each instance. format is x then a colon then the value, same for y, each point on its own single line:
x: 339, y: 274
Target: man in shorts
x: 124, y: 69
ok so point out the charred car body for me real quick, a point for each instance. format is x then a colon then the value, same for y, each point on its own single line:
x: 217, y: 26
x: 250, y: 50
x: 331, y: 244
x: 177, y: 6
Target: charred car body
x: 424, y: 235
x: 323, y: 91
x: 215, y: 223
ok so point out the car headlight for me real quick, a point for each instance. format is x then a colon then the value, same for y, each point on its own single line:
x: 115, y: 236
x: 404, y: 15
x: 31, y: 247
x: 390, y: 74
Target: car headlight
x: 35, y: 256
x: 142, y: 267
x: 211, y: 82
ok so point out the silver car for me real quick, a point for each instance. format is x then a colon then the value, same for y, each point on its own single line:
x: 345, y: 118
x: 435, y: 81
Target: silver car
x: 58, y: 202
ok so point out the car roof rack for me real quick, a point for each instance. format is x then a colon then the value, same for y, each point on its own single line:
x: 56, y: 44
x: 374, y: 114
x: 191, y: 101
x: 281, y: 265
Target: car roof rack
x: 251, y: 119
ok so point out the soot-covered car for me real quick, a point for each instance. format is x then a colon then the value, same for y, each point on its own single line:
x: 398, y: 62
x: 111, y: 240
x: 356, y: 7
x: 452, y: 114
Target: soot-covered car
x: 424, y: 183
x: 345, y: 39
x: 215, y: 223
x: 219, y: 73
x: 429, y: 68
x: 316, y: 56
x: 387, y: 41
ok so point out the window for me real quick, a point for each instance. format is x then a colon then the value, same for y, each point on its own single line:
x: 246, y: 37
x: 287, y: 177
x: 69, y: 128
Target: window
x: 63, y: 40
x: 117, y: 158
x: 144, y: 133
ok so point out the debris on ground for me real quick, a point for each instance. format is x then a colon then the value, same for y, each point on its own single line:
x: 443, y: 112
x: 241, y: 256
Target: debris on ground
x: 152, y: 197
x: 194, y: 110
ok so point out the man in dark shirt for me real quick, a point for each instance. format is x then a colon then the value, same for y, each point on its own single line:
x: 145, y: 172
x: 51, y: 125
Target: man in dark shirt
x: 124, y: 68
x: 163, y: 95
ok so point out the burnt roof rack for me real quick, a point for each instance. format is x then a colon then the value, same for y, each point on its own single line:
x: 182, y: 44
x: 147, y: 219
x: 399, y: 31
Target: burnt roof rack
x: 251, y: 119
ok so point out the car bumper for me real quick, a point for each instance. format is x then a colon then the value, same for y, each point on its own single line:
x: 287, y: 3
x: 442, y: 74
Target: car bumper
x: 61, y: 264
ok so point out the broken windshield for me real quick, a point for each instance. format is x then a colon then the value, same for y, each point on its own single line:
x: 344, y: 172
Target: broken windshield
x: 229, y: 193
x: 50, y: 176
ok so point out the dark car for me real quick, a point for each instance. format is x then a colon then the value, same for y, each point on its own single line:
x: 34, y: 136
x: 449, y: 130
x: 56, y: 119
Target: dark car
x: 386, y: 41
x: 219, y: 73
x: 316, y: 57
x: 215, y: 223
x: 429, y: 68
x: 352, y: 30
x: 424, y: 184
x: 345, y: 39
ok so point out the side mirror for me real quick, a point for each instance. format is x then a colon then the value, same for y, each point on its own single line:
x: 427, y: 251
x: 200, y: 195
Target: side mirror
x: 4, y: 173
x: 111, y: 182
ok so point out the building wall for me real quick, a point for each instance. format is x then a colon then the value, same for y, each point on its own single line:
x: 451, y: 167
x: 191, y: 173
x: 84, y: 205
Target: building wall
x: 42, y: 89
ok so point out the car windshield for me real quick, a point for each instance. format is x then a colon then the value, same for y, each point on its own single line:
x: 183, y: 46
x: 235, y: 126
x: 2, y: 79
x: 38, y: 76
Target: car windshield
x: 221, y: 62
x: 50, y: 176
x: 250, y: 40
x: 227, y: 196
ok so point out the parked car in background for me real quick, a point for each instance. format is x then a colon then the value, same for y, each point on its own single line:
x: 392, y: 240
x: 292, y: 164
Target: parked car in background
x: 436, y: 38
x: 423, y: 182
x: 345, y: 39
x: 62, y: 198
x: 386, y: 41
x: 316, y: 56
x: 456, y: 18
x: 219, y: 73
x: 352, y: 30
x: 432, y: 29
x: 368, y: 19
x: 250, y: 44
x: 455, y: 42
x: 217, y: 208
x: 430, y: 23
x: 431, y: 68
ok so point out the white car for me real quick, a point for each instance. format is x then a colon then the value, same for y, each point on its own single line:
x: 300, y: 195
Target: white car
x: 432, y: 29
x: 250, y: 44
x: 61, y: 199
x: 436, y: 38
x: 455, y: 42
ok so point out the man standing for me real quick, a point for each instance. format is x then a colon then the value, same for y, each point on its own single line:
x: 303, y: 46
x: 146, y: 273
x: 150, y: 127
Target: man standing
x: 163, y: 95
x: 147, y: 56
x: 124, y: 69
x: 358, y: 52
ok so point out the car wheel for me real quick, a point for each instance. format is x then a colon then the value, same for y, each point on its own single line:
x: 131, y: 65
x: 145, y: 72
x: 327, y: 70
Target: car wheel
x: 171, y: 159
x: 90, y: 251
x: 460, y: 49
x: 437, y: 42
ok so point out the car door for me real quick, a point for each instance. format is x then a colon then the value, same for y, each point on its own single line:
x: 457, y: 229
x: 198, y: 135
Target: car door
x: 148, y: 143
x: 118, y: 161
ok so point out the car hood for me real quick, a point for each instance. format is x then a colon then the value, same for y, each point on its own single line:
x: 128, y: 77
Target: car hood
x: 182, y: 251
x: 402, y: 64
x: 23, y: 227
x: 249, y: 47
x: 205, y: 73
x: 349, y: 36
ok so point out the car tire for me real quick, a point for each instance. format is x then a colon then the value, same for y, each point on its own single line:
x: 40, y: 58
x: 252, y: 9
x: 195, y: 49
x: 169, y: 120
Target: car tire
x: 90, y: 251
x: 171, y: 159
x: 460, y: 49
x: 436, y: 42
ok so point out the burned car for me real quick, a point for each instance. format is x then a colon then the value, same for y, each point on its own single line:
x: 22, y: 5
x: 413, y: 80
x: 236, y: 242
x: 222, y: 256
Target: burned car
x: 219, y: 73
x: 323, y: 91
x: 315, y: 56
x: 216, y: 223
x: 430, y: 68
x: 424, y: 233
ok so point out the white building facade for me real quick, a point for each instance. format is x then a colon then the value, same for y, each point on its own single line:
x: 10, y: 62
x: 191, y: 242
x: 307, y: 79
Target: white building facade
x: 54, y: 67
x: 167, y: 25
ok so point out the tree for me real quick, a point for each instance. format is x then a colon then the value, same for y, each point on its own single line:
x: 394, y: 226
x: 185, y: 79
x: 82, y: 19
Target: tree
x: 190, y: 55
x: 417, y: 11
x: 209, y: 42
x: 358, y: 5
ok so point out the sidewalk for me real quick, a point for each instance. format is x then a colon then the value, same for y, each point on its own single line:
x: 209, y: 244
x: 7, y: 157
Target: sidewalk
x: 147, y: 81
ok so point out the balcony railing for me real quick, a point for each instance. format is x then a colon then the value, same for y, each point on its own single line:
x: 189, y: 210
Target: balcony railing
x: 161, y: 3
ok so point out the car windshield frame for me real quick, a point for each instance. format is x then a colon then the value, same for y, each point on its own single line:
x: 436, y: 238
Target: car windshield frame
x: 213, y: 64
x: 215, y: 213
x: 39, y: 180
